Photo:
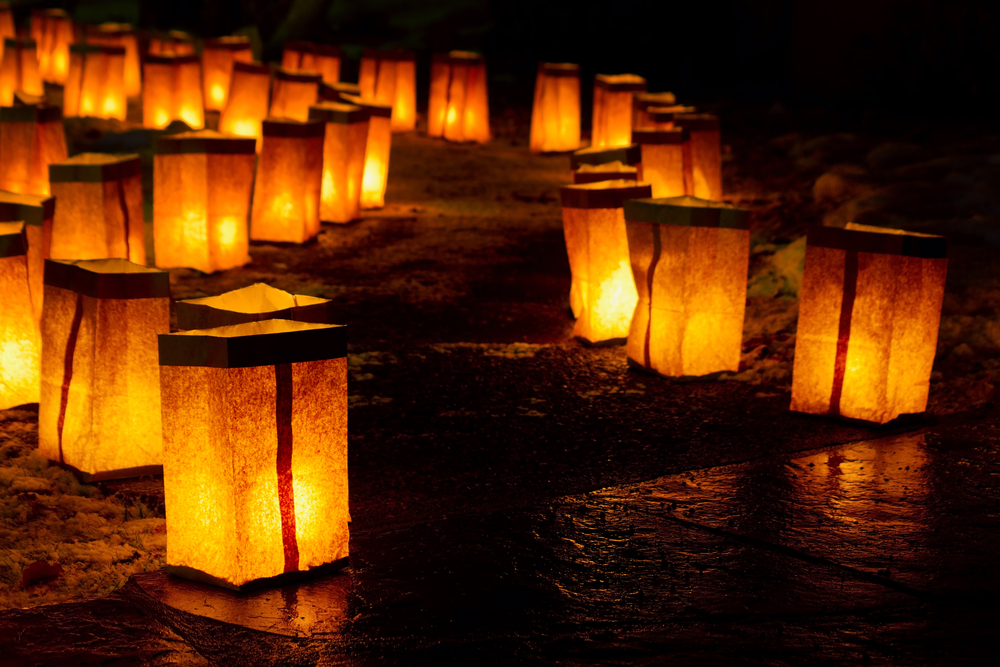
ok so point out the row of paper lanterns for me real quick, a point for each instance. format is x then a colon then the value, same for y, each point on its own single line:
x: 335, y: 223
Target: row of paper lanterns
x: 660, y: 263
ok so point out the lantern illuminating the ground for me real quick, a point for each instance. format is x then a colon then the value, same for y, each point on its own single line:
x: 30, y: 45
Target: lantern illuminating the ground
x: 689, y: 261
x: 869, y: 311
x: 52, y: 30
x: 666, y: 161
x: 37, y: 213
x: 100, y: 396
x: 217, y: 58
x: 31, y: 138
x: 555, y: 115
x: 100, y: 208
x: 390, y: 78
x: 19, y: 340
x: 344, y: 151
x: 588, y: 164
x: 612, y: 120
x: 322, y: 59
x: 602, y: 294
x: 95, y: 86
x: 255, y: 449
x: 171, y: 43
x: 706, y: 153
x: 121, y: 34
x: 171, y: 90
x: 286, y: 195
x: 19, y: 70
x: 251, y: 304
x: 377, y: 149
x: 247, y: 104
x: 458, y: 109
x: 642, y: 102
x: 293, y: 94
x: 203, y: 181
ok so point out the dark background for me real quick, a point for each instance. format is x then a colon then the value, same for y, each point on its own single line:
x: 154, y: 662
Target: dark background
x: 936, y: 58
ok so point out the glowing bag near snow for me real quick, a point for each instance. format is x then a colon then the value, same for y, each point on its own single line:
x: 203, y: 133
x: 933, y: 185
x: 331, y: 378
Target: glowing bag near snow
x: 666, y: 161
x: 689, y: 261
x: 255, y: 449
x: 100, y: 397
x: 869, y: 312
x: 602, y: 294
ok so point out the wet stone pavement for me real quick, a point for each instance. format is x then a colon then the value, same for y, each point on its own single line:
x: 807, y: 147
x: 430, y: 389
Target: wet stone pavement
x: 519, y: 498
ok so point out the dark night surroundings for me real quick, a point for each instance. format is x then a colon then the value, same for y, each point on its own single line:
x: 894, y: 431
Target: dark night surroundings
x: 519, y: 498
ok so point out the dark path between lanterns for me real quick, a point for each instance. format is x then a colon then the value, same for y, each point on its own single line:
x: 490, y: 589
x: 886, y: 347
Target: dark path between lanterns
x: 519, y: 498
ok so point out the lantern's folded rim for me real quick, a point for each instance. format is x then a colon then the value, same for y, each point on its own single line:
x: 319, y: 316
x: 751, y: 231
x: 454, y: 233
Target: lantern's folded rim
x: 110, y: 30
x: 13, y: 243
x: 251, y: 68
x: 645, y: 100
x: 19, y: 43
x: 227, y: 43
x: 207, y: 142
x: 698, y: 122
x: 30, y: 113
x: 287, y: 127
x: 686, y: 211
x: 891, y: 242
x: 458, y: 58
x: 77, y: 169
x: 335, y: 92
x: 620, y: 83
x: 582, y: 177
x: 560, y: 70
x: 398, y: 55
x: 667, y: 114
x: 194, y: 574
x: 630, y: 155
x: 126, y: 280
x: 336, y: 112
x: 305, y: 342
x: 32, y: 209
x: 187, y: 58
x: 90, y: 48
x: 193, y: 316
x: 298, y: 76
x: 315, y: 48
x: 603, y: 194
x: 675, y: 136
x: 375, y: 109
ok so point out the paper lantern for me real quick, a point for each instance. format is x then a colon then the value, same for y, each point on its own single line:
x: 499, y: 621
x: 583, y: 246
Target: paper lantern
x: 95, y: 86
x: 641, y: 103
x: 377, y: 149
x: 171, y: 43
x: 247, y: 104
x: 19, y: 340
x: 612, y: 116
x: 343, y: 159
x: 19, y: 70
x: 171, y: 90
x: 666, y: 161
x: 706, y: 153
x: 251, y: 304
x: 458, y: 109
x: 286, y: 195
x: 293, y: 94
x: 31, y: 138
x: 555, y: 115
x: 255, y: 449
x: 52, y: 30
x: 99, y: 411
x: 689, y: 261
x: 100, y: 208
x: 120, y: 34
x: 602, y: 294
x: 36, y: 212
x: 322, y: 59
x: 662, y: 118
x: 390, y: 77
x: 869, y: 311
x: 217, y: 58
x: 203, y: 182
x: 588, y: 164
